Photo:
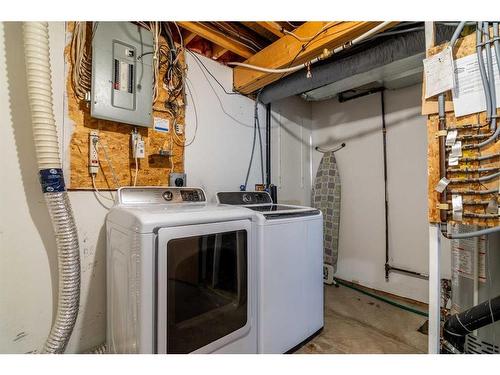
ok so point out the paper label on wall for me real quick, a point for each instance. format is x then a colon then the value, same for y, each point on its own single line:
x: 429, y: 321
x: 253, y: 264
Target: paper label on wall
x: 438, y: 70
x: 161, y: 125
x: 468, y: 93
x: 462, y: 258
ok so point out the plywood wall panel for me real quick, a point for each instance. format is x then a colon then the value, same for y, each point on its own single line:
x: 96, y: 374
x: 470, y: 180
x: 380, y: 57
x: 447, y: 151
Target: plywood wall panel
x: 464, y: 47
x: 153, y: 170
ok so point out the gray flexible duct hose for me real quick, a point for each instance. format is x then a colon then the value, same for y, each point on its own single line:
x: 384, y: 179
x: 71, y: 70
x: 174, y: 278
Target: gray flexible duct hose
x: 36, y: 49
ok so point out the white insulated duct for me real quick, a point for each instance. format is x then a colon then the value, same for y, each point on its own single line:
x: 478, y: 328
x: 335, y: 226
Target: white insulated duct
x: 36, y: 50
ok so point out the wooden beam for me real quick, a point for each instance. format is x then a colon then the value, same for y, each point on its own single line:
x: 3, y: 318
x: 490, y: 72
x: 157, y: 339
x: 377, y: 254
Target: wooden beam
x: 217, y: 38
x: 188, y: 37
x: 263, y: 32
x: 273, y: 27
x: 288, y: 51
x: 218, y: 51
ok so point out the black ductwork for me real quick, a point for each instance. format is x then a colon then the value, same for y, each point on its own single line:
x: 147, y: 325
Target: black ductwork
x: 359, y: 59
x: 460, y: 325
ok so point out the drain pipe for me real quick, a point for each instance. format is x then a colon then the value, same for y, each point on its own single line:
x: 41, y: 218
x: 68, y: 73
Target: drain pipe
x: 36, y: 50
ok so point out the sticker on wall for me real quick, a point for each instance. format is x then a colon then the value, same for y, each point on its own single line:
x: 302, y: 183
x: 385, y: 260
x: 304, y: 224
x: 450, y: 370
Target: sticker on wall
x: 438, y: 72
x: 161, y: 125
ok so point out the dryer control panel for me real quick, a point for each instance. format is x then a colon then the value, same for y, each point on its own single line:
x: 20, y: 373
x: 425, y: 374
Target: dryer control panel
x: 159, y: 195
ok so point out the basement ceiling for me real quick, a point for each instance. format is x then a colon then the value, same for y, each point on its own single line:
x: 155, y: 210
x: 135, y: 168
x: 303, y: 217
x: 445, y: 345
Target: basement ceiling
x: 233, y: 41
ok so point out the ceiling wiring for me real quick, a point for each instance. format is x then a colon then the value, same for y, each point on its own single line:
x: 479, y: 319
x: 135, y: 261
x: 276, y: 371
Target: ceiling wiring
x: 211, y: 75
x: 234, y: 39
x: 228, y: 28
x: 235, y: 119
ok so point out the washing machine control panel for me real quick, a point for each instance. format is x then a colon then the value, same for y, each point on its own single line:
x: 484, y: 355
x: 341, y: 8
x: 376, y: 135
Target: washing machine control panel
x: 244, y: 197
x: 154, y: 195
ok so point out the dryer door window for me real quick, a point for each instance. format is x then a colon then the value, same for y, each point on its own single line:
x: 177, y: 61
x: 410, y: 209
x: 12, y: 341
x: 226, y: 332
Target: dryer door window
x: 206, y: 295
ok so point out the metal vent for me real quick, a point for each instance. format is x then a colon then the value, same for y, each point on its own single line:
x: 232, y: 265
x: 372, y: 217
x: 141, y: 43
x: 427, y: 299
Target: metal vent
x: 473, y: 345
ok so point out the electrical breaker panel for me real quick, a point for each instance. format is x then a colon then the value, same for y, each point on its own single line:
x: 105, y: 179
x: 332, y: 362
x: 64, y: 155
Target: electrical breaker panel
x: 122, y: 74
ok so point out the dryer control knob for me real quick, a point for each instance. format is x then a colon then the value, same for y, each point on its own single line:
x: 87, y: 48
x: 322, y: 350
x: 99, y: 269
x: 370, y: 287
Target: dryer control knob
x: 168, y: 195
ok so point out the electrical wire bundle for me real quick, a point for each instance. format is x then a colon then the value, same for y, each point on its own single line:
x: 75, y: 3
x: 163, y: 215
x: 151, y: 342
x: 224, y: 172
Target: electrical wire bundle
x: 155, y: 29
x: 169, y: 71
x: 169, y: 62
x: 235, y: 35
x: 81, y: 73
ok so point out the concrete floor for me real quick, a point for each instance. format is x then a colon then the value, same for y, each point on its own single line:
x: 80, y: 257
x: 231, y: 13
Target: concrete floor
x: 357, y: 323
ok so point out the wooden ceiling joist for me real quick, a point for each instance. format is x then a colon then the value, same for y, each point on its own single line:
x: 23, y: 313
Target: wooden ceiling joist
x: 263, y: 32
x: 272, y: 27
x: 288, y: 51
x: 217, y: 38
x: 218, y: 51
x: 188, y: 37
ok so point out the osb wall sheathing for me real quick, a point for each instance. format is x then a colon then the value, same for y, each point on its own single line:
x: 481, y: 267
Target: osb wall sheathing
x: 154, y: 169
x: 464, y: 47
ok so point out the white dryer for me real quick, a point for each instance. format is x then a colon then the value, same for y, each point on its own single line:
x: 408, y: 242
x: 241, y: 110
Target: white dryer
x: 180, y: 274
x: 289, y: 270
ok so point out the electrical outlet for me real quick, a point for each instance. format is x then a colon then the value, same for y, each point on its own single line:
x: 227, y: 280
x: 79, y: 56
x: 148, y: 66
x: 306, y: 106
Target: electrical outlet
x: 138, y: 146
x: 140, y: 149
x: 93, y: 152
x: 179, y: 128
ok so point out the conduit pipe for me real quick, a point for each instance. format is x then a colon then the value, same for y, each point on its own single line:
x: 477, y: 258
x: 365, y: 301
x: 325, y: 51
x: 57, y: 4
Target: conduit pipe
x: 491, y: 76
x: 442, y: 125
x: 490, y: 106
x: 496, y: 45
x: 36, y: 50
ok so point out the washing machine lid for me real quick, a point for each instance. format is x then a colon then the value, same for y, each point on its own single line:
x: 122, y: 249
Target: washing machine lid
x: 145, y: 209
x: 261, y: 202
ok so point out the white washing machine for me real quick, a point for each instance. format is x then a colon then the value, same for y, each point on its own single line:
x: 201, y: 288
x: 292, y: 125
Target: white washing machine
x: 180, y: 274
x: 289, y: 270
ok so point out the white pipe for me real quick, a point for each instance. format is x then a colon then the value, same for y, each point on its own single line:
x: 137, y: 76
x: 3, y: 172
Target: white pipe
x: 364, y: 36
x: 37, y: 57
x: 268, y: 70
x: 292, y: 69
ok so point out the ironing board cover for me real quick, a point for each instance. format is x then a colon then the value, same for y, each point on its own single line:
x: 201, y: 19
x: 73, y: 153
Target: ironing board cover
x: 326, y: 197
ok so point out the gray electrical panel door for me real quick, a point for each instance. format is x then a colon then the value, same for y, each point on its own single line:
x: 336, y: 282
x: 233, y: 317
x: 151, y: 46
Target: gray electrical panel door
x: 122, y: 74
